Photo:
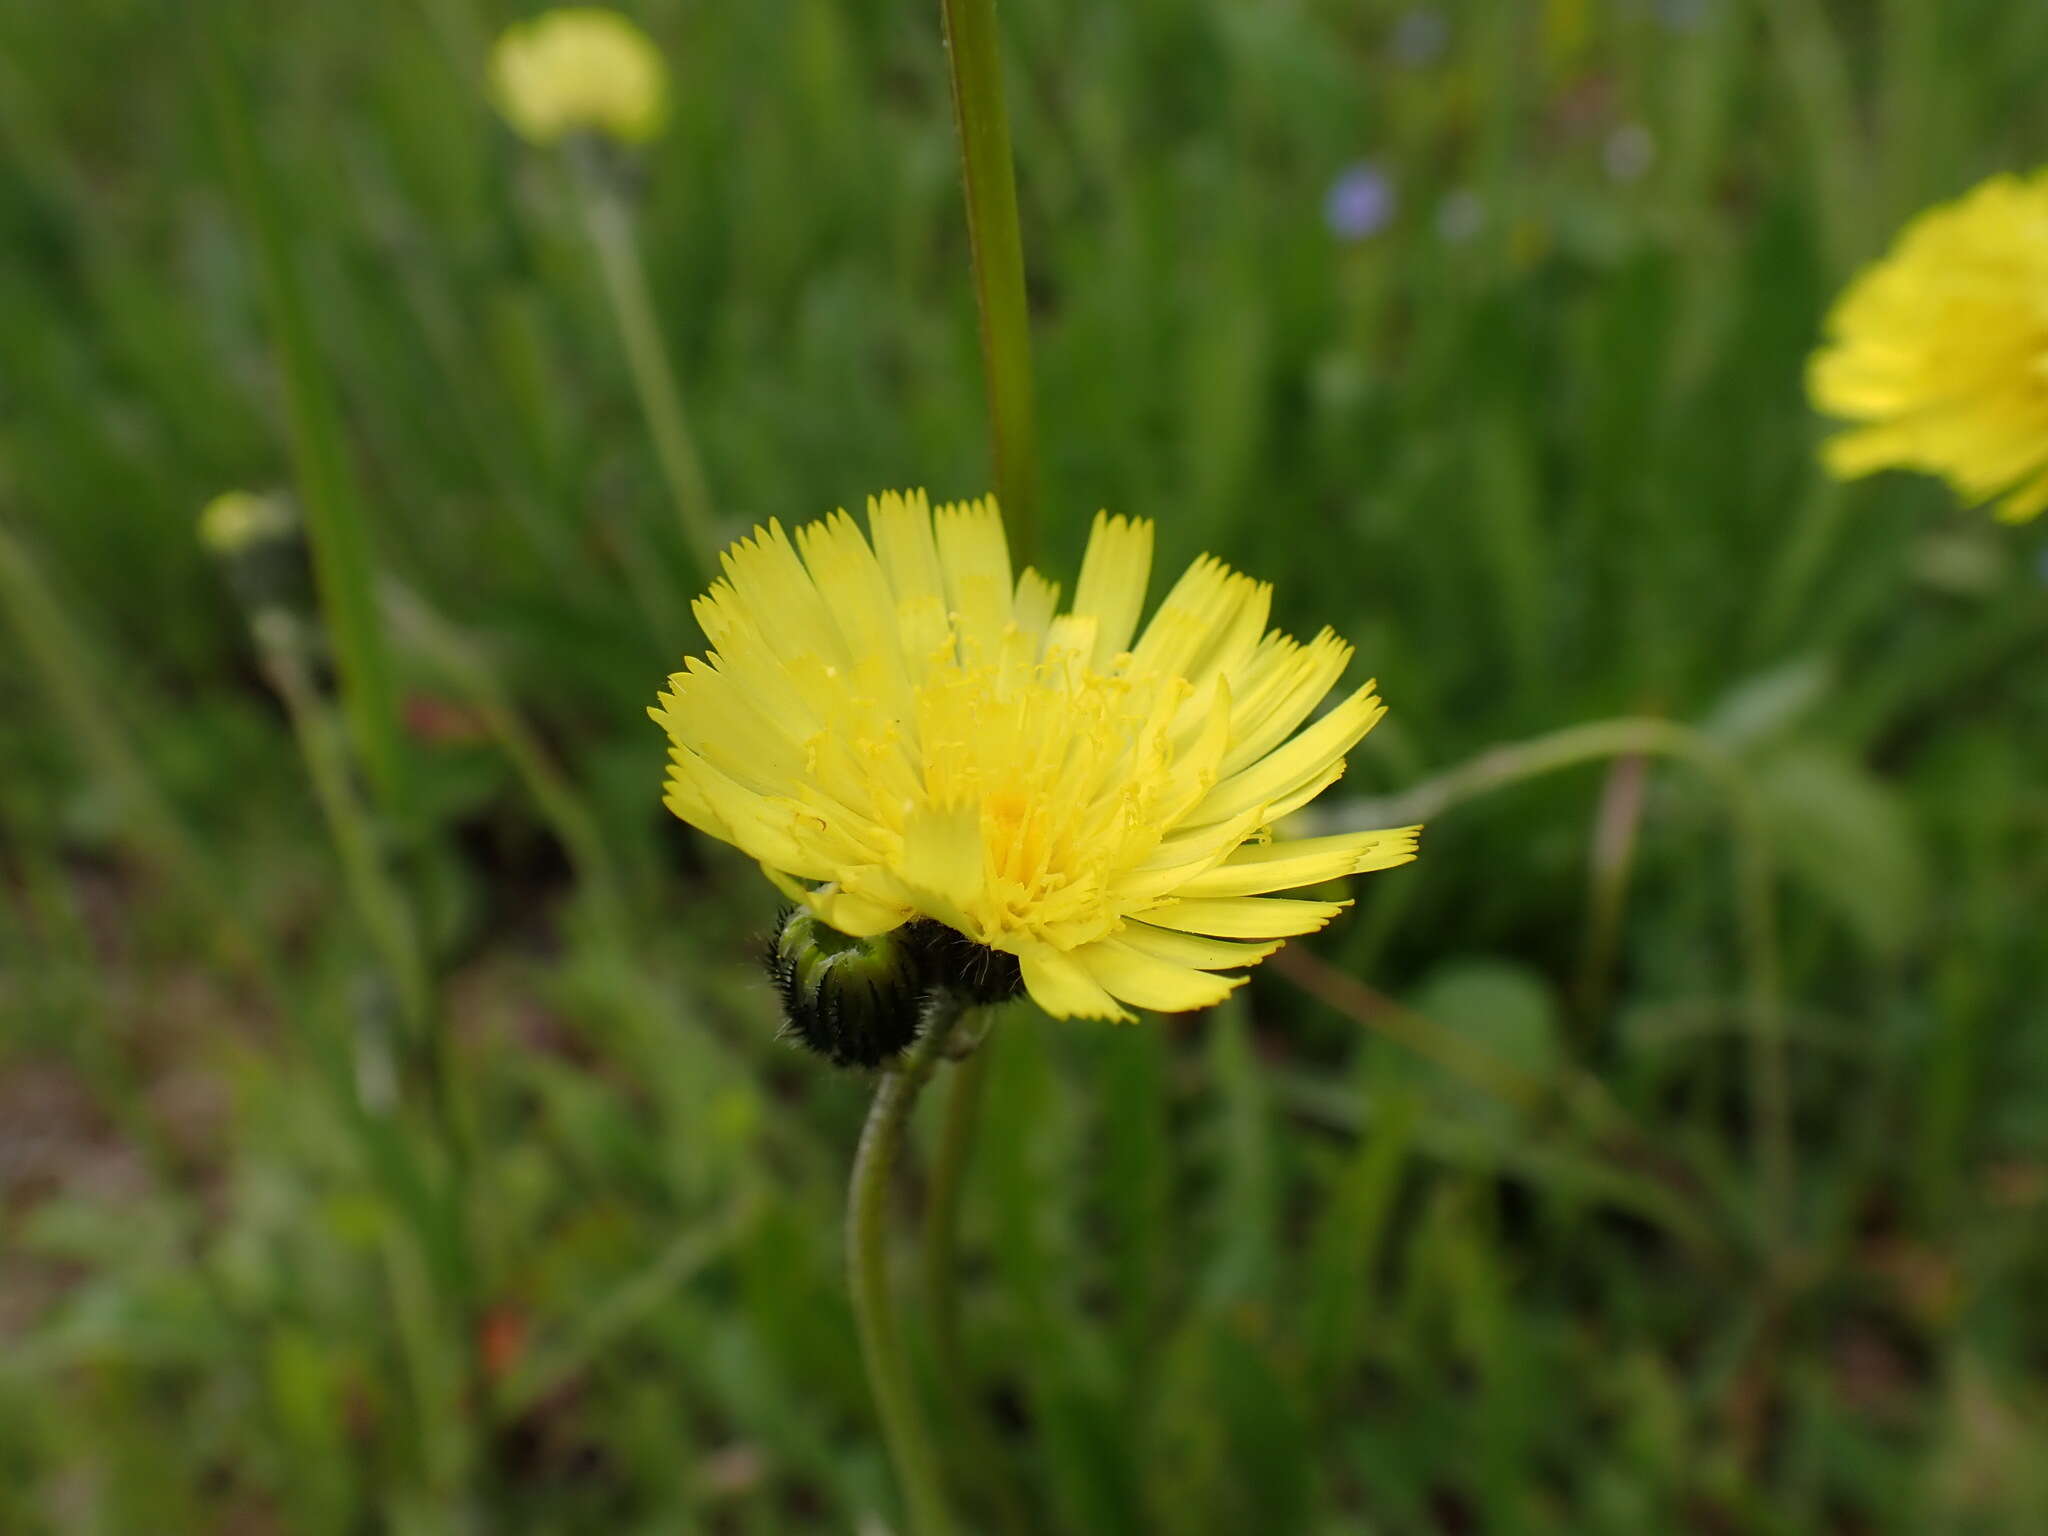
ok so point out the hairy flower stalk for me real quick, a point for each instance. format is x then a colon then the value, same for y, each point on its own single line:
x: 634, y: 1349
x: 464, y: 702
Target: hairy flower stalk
x: 905, y: 731
x: 1939, y: 352
x: 881, y: 1344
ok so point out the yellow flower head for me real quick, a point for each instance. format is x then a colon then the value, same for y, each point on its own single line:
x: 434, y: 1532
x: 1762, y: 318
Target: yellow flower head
x: 1940, y: 350
x: 905, y: 731
x: 579, y: 69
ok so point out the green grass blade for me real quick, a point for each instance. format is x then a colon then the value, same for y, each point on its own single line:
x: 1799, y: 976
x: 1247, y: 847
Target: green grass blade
x: 335, y: 520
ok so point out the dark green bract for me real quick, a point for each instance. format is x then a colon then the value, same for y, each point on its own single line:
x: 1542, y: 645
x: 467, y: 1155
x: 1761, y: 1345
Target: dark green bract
x: 861, y: 1002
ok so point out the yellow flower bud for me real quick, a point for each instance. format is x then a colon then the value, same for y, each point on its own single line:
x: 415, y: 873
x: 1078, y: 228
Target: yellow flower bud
x: 234, y: 520
x: 579, y: 69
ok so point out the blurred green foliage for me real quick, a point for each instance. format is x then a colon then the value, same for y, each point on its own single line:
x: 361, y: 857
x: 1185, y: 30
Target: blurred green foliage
x: 1538, y: 446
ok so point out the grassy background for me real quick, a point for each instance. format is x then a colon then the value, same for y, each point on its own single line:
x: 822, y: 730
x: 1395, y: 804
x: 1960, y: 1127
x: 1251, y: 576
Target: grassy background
x: 267, y: 1263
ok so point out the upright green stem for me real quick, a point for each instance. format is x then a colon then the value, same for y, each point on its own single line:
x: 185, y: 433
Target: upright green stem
x: 881, y: 1341
x: 379, y: 901
x: 610, y: 222
x: 941, y: 1253
x: 1755, y: 889
x: 993, y: 233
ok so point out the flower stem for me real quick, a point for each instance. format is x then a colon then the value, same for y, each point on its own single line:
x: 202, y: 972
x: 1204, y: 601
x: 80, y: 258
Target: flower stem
x: 989, y: 175
x: 941, y: 1253
x: 610, y: 221
x: 379, y: 901
x: 881, y: 1342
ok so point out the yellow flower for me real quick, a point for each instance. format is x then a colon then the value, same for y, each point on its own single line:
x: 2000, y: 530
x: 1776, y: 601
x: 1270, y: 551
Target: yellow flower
x: 579, y: 69
x: 1940, y: 350
x: 904, y: 732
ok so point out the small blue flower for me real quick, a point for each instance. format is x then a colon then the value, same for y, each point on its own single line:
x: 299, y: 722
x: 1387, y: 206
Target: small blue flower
x: 1360, y: 202
x: 2041, y: 564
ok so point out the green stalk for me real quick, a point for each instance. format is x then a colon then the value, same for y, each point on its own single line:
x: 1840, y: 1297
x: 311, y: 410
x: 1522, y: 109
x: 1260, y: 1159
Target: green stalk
x: 378, y: 900
x: 993, y: 233
x: 941, y: 1253
x: 1755, y: 888
x: 881, y: 1341
x: 609, y: 219
x: 334, y: 516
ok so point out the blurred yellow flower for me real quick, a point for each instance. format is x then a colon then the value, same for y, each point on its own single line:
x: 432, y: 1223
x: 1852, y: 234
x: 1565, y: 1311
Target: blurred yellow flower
x: 1940, y: 351
x: 579, y: 69
x: 234, y: 520
x: 904, y: 731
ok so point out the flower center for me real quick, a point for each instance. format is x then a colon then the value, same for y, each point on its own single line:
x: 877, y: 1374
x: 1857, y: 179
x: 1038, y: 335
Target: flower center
x: 1056, y: 773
